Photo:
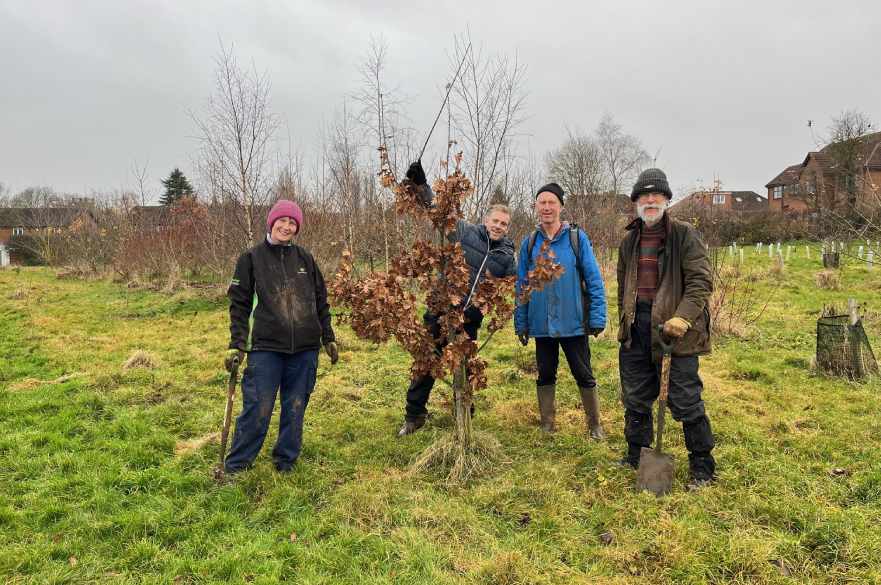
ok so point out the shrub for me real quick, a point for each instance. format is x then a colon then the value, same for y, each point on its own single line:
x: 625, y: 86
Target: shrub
x: 828, y: 280
x: 25, y: 249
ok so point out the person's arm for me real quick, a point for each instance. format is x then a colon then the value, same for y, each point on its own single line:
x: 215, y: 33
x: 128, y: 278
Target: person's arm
x: 511, y: 269
x: 521, y: 312
x: 596, y: 288
x: 241, y: 302
x: 461, y: 227
x: 622, y: 275
x: 697, y: 277
x: 424, y: 195
x: 322, y: 306
x: 416, y: 175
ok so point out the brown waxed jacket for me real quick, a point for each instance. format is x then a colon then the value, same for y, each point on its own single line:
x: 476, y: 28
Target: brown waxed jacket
x: 685, y: 282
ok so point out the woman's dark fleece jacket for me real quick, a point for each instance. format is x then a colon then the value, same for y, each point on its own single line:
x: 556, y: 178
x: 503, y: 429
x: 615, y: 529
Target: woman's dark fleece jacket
x: 278, y: 301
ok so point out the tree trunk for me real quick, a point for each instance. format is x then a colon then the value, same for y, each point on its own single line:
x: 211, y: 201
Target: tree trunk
x: 462, y: 409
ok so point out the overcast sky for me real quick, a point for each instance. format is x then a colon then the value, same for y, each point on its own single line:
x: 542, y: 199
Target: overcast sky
x: 721, y: 88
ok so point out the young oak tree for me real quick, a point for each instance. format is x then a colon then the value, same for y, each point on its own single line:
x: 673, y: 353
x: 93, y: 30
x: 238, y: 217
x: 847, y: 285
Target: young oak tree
x: 433, y: 272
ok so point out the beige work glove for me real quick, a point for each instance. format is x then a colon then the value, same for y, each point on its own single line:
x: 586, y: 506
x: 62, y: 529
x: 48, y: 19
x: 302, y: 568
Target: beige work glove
x: 676, y: 327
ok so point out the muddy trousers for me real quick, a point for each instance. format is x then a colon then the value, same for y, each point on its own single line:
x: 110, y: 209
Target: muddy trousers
x: 641, y: 384
x: 420, y: 387
x: 269, y: 372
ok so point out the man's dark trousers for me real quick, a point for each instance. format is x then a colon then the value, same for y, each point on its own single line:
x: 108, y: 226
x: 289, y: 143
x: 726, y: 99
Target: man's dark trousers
x: 577, y: 351
x: 420, y: 388
x: 641, y: 383
x: 267, y: 372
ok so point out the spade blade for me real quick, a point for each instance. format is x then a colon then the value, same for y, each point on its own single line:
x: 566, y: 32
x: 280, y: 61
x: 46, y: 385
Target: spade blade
x: 655, y: 473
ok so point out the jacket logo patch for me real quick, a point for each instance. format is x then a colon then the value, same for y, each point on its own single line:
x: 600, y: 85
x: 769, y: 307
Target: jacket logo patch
x: 301, y: 271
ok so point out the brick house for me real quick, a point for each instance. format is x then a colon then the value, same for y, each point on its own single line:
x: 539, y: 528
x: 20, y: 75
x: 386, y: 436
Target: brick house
x: 33, y: 221
x: 821, y: 181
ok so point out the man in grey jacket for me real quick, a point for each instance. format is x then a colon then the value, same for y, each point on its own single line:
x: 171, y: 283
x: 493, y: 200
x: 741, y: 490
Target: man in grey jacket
x: 486, y: 247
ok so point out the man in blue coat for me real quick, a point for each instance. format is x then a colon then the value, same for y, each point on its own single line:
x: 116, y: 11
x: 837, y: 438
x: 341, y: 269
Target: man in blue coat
x: 565, y: 311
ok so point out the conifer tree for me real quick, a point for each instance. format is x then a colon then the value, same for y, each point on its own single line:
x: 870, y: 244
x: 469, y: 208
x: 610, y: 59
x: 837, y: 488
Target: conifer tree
x: 176, y: 186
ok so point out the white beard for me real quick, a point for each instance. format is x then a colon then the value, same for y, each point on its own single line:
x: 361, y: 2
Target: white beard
x: 641, y: 209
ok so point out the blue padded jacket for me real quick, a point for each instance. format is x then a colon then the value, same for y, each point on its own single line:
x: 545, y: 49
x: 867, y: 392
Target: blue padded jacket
x: 556, y: 310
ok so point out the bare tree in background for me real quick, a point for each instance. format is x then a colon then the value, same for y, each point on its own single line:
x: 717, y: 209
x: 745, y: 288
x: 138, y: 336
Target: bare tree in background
x: 289, y: 179
x: 378, y: 116
x: 35, y: 198
x: 140, y: 174
x: 623, y: 154
x: 235, y: 133
x: 845, y: 148
x: 487, y: 109
x: 342, y: 151
x: 579, y: 167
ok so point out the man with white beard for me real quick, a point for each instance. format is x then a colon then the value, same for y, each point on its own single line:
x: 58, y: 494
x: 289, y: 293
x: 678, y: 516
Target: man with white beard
x: 664, y: 278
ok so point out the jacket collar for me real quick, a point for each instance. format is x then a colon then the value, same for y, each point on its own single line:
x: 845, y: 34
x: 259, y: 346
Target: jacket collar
x: 564, y: 227
x: 273, y: 244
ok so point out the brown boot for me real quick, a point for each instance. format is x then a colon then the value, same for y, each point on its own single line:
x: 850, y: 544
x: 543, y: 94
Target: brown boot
x: 546, y: 407
x: 591, y: 402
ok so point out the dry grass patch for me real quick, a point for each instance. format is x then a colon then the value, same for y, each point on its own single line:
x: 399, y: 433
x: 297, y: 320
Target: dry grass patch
x: 517, y: 413
x: 462, y: 466
x: 31, y: 383
x: 140, y: 359
x: 828, y: 280
x: 186, y: 446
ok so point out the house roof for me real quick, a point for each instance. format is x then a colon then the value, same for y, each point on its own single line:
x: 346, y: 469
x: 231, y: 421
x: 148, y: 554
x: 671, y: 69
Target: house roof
x: 824, y: 160
x: 871, y: 152
x: 36, y: 217
x: 868, y: 154
x: 868, y: 157
x: 789, y: 176
x: 748, y: 201
x: 152, y: 214
x: 741, y: 201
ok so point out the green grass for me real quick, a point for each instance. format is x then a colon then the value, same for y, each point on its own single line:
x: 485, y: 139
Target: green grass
x: 98, y: 484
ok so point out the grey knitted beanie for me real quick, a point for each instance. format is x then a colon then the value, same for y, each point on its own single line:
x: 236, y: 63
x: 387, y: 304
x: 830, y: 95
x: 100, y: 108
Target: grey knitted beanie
x: 651, y: 181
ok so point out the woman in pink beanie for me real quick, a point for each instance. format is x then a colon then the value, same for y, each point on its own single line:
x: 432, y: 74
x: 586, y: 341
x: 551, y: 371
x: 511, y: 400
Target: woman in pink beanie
x: 280, y: 316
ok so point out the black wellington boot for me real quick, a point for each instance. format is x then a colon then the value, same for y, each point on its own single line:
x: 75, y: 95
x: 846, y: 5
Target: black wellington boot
x: 699, y: 442
x: 638, y: 433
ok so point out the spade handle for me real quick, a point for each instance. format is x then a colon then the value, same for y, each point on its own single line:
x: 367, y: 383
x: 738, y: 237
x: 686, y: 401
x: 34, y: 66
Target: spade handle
x: 666, y: 348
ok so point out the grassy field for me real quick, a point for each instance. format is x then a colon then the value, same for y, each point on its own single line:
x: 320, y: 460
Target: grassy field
x: 105, y: 472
